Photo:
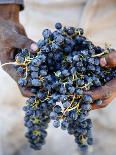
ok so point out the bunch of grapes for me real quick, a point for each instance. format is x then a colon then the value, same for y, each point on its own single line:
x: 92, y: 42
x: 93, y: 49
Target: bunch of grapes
x: 65, y: 65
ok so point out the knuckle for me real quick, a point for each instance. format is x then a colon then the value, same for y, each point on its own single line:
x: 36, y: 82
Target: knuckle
x: 112, y: 58
x: 106, y: 92
x: 103, y: 106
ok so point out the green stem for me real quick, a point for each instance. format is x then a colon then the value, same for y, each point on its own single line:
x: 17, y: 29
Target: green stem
x: 100, y: 54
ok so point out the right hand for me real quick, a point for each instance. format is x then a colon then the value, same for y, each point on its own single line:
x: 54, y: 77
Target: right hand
x: 13, y: 37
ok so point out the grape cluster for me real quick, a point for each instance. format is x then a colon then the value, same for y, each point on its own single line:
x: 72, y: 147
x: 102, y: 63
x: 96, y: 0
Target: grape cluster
x: 65, y: 65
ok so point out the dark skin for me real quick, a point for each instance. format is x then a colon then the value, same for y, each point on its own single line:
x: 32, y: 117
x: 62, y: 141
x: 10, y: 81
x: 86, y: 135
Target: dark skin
x: 107, y: 92
x: 13, y: 36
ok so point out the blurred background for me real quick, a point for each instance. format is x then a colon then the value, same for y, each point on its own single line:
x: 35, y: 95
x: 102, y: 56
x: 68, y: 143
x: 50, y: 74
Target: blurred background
x: 98, y: 18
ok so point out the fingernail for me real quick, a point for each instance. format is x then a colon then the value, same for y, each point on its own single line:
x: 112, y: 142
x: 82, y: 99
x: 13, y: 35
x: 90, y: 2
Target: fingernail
x: 103, y: 62
x: 34, y: 47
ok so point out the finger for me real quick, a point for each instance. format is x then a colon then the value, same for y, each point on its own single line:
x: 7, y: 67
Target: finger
x: 109, y: 60
x: 104, y: 104
x: 21, y: 41
x: 10, y: 69
x: 103, y: 92
x: 34, y: 47
x: 21, y: 29
x: 26, y: 92
x: 94, y: 106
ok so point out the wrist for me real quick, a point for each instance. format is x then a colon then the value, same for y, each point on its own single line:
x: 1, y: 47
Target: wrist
x: 10, y: 12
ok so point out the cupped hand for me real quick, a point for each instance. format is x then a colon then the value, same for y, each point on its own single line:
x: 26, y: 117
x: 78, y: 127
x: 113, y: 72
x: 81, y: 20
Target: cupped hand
x: 13, y: 37
x: 107, y: 92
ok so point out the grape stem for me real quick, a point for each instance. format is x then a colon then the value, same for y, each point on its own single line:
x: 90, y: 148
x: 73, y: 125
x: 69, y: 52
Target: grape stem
x: 9, y: 63
x: 26, y: 71
x: 100, y: 54
x: 77, y: 106
x: 85, y: 86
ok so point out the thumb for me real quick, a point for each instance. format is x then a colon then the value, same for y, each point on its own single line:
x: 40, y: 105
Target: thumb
x: 109, y: 60
x: 21, y: 41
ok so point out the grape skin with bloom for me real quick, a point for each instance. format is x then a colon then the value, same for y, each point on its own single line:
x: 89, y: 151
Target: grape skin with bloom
x: 65, y: 66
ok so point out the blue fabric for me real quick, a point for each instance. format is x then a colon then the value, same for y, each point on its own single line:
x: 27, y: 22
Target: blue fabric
x: 20, y: 2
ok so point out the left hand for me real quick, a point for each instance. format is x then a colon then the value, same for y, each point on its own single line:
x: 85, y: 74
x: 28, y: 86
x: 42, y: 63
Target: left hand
x: 107, y: 92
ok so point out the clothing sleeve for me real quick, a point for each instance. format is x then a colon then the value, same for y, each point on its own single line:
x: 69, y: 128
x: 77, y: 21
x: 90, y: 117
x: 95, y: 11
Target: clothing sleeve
x: 20, y: 2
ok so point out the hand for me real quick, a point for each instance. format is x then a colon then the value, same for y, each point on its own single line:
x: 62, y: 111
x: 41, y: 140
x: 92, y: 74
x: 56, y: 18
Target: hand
x: 12, y: 37
x: 109, y: 60
x: 108, y: 92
